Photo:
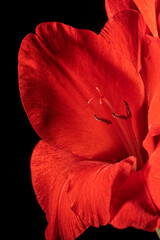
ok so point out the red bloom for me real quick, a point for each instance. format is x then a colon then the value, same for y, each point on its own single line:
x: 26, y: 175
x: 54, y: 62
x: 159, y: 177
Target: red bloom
x: 88, y: 170
x: 150, y: 10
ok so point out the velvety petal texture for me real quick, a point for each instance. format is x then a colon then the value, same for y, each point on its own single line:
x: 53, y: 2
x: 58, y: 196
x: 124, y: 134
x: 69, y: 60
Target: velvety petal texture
x: 76, y: 193
x: 125, y: 25
x: 138, y: 210
x: 151, y: 174
x: 49, y: 171
x: 59, y: 70
x: 154, y: 121
x: 158, y: 15
x: 92, y: 186
x: 151, y: 76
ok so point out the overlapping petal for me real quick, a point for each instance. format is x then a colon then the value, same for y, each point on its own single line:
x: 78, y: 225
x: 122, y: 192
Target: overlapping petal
x: 76, y: 193
x: 148, y: 9
x: 130, y: 29
x: 151, y: 76
x: 150, y: 70
x: 49, y: 171
x: 115, y: 6
x: 154, y: 114
x: 151, y: 175
x: 92, y: 186
x: 101, y: 194
x: 59, y: 69
x: 136, y: 207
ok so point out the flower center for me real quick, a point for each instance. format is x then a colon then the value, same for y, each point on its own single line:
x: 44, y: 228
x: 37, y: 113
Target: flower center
x: 125, y: 131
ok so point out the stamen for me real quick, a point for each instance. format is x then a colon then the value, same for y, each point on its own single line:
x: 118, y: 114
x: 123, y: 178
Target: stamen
x: 119, y: 116
x: 103, y: 120
x: 120, y: 128
x: 128, y: 138
x: 128, y: 111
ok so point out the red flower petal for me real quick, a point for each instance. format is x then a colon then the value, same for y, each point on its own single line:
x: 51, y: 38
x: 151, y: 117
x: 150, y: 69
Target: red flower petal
x: 59, y: 69
x: 158, y: 16
x: 91, y: 187
x: 100, y: 194
x: 151, y: 174
x: 150, y: 70
x: 76, y: 193
x: 49, y: 170
x: 129, y: 26
x: 151, y: 75
x: 154, y: 114
x: 148, y: 11
x: 135, y: 205
x: 129, y: 22
x: 115, y: 6
x: 149, y: 143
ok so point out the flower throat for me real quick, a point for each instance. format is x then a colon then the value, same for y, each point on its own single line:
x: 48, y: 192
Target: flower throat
x: 126, y: 134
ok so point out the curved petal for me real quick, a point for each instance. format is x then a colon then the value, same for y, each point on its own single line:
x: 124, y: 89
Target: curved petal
x: 135, y: 205
x: 130, y: 31
x: 59, y: 69
x: 148, y: 11
x: 103, y: 193
x: 151, y: 174
x: 158, y: 16
x: 154, y: 114
x: 149, y: 143
x: 75, y: 193
x: 115, y: 6
x: 159, y: 23
x: 91, y: 186
x: 49, y: 171
x: 150, y: 66
x: 151, y: 74
x: 130, y: 28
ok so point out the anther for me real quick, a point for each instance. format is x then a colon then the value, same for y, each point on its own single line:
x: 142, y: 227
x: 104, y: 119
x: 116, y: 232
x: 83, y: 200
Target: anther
x: 128, y: 111
x: 103, y: 120
x: 119, y: 116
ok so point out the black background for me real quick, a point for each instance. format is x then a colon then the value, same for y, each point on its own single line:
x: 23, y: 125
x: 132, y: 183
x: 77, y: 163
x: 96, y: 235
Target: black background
x: 25, y: 219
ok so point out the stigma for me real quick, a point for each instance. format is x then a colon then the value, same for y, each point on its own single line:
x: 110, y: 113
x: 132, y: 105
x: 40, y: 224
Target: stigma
x: 124, y: 131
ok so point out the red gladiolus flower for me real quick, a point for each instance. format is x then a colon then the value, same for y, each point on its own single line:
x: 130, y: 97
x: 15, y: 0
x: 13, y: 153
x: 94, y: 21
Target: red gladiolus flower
x: 150, y: 10
x: 97, y: 163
